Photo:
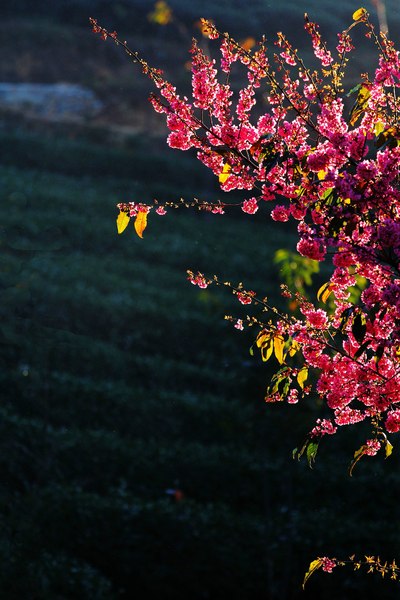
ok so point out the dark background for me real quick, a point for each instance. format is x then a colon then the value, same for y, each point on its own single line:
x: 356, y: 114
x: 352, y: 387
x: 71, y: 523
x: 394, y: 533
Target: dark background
x: 137, y: 457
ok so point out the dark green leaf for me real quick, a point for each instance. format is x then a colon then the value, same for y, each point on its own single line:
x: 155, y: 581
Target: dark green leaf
x: 345, y: 316
x: 379, y: 352
x: 359, y: 327
x: 311, y: 453
x: 362, y: 349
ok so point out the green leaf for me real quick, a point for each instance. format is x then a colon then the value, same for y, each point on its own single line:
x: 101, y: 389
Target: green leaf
x: 326, y: 193
x: 285, y: 389
x: 362, y: 349
x: 379, y: 128
x: 280, y: 382
x: 311, y: 453
x: 353, y: 90
x: 310, y: 448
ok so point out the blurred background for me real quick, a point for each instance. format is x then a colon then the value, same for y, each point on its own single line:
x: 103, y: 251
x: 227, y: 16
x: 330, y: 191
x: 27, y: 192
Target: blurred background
x: 137, y: 456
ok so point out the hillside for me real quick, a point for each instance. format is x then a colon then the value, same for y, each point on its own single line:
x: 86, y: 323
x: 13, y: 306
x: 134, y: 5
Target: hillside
x: 54, y: 44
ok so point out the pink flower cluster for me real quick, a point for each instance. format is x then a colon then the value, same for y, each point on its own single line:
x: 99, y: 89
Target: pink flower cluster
x: 339, y: 178
x: 245, y: 297
x: 198, y: 279
x: 250, y: 206
x: 336, y: 174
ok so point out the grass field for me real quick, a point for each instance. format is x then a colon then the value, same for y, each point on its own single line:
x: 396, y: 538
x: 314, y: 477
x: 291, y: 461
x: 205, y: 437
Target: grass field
x: 122, y: 382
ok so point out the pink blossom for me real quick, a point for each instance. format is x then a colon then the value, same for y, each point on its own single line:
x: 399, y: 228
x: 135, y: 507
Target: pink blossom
x: 318, y: 319
x: 217, y: 210
x: 204, y: 79
x: 266, y: 124
x: 343, y: 259
x: 298, y: 212
x: 267, y: 194
x: 345, y: 44
x: 293, y: 396
x: 246, y: 102
x: 348, y: 416
x: 392, y: 422
x: 328, y: 564
x: 311, y: 248
x: 180, y: 139
x: 198, y: 279
x: 250, y: 206
x: 372, y: 447
x: 246, y: 297
x: 229, y: 55
x: 320, y: 49
x: 280, y: 213
x: 323, y: 427
x: 337, y: 176
x: 288, y: 58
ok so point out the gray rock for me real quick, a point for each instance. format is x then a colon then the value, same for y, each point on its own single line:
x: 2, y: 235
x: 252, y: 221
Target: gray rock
x: 57, y: 101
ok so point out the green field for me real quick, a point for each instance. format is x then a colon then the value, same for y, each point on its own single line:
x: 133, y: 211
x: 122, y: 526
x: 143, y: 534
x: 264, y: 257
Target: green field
x: 121, y: 382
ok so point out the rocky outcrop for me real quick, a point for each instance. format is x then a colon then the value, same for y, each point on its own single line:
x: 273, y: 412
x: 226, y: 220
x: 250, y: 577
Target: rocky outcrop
x: 55, y: 102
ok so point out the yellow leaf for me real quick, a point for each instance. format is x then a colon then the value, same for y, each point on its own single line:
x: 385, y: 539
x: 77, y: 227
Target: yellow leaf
x: 379, y: 128
x: 266, y: 350
x: 388, y: 448
x: 264, y: 341
x: 141, y: 222
x: 358, y: 454
x: 295, y: 346
x: 314, y: 565
x: 223, y: 176
x: 302, y: 377
x: 360, y: 104
x: 279, y: 342
x: 162, y: 13
x: 389, y: 136
x: 122, y: 221
x: 262, y: 337
x: 324, y: 292
x: 205, y: 26
x: 359, y: 14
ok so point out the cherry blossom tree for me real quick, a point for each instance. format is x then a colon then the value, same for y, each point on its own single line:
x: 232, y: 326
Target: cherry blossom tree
x: 335, y: 173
